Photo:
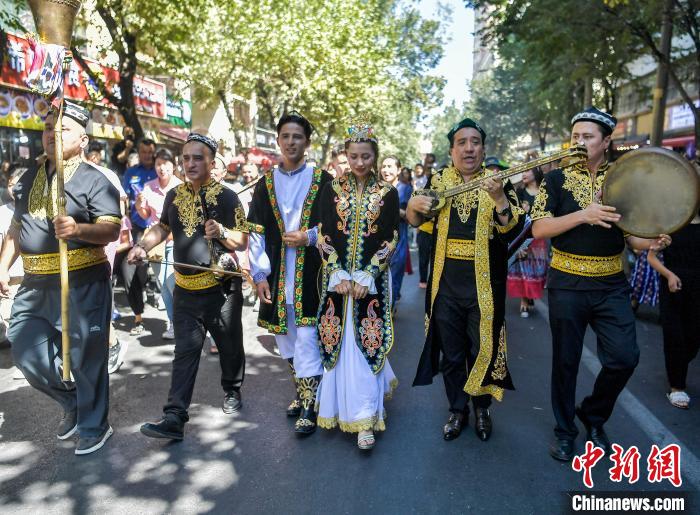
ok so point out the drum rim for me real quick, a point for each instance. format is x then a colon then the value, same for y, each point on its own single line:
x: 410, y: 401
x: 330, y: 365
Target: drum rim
x: 666, y: 153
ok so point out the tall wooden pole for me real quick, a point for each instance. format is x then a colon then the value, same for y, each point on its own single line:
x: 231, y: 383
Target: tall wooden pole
x: 62, y: 244
x: 54, y: 21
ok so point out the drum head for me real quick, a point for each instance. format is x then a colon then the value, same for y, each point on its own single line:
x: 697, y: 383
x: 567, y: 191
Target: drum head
x: 654, y: 189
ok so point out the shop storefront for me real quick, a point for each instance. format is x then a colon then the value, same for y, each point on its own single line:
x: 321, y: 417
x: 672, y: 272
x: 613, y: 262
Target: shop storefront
x: 22, y: 113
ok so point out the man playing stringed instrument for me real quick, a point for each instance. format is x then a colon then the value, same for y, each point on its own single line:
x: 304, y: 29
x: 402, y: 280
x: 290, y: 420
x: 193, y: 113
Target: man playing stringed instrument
x: 586, y: 285
x: 465, y: 300
x: 199, y: 212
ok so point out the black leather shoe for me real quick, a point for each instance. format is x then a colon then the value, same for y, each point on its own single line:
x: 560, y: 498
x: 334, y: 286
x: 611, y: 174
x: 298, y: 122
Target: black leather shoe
x: 595, y: 434
x: 562, y: 449
x: 232, y: 402
x: 170, y: 427
x: 454, y: 425
x: 483, y: 425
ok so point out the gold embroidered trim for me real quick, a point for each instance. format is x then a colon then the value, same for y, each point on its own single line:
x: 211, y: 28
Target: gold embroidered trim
x: 375, y: 423
x: 539, y: 206
x: 587, y: 266
x: 464, y: 203
x: 515, y: 212
x: 44, y: 264
x: 189, y: 205
x: 195, y: 282
x: 482, y: 269
x: 577, y: 180
x: 240, y: 222
x: 460, y: 249
x: 108, y: 219
x: 42, y: 201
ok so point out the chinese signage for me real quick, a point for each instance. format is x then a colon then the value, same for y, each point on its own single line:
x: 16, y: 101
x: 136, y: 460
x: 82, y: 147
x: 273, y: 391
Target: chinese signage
x: 681, y: 116
x: 179, y: 112
x: 149, y: 95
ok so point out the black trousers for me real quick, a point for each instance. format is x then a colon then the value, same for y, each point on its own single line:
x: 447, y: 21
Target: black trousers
x: 457, y: 327
x: 424, y: 241
x: 609, y: 313
x: 218, y: 312
x: 135, y: 277
x: 680, y: 321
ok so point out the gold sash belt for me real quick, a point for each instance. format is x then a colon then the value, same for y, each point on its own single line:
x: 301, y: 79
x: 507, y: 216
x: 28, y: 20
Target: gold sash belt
x: 588, y: 266
x: 44, y: 264
x: 196, y: 281
x: 460, y: 249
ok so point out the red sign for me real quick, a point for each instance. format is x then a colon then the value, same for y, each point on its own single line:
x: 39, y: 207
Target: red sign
x: 149, y: 95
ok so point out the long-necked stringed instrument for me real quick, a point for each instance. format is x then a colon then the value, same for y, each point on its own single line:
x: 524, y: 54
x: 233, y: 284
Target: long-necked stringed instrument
x: 570, y: 156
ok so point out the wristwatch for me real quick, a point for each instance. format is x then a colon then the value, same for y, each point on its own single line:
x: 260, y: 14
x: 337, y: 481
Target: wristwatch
x: 224, y: 233
x: 504, y: 211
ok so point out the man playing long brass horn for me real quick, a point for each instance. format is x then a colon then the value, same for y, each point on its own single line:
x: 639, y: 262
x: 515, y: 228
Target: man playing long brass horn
x: 586, y: 285
x: 92, y: 220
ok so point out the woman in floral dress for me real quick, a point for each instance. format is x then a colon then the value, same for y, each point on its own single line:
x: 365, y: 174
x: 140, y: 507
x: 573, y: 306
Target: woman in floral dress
x: 357, y: 237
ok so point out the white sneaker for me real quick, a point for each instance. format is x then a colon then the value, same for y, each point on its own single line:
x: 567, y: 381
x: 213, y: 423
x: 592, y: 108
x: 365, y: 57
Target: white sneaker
x: 161, y: 304
x: 116, y: 356
x: 169, y: 333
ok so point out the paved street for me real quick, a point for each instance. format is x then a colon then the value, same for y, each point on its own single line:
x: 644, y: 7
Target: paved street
x: 253, y: 463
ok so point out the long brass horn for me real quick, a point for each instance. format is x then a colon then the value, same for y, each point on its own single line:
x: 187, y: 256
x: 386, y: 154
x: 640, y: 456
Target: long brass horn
x: 54, y: 21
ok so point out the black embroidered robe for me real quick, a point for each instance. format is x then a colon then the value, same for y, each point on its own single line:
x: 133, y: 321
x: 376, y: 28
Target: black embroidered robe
x: 264, y: 218
x: 358, y: 234
x: 490, y: 374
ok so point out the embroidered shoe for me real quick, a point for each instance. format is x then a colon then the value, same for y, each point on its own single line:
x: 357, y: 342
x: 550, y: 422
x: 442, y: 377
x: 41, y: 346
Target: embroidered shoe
x: 308, y: 386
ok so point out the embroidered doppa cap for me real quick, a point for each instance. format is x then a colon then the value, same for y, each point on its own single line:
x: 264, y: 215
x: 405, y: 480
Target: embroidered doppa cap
x: 76, y: 112
x: 467, y: 122
x: 360, y: 129
x: 608, y: 122
x: 209, y: 142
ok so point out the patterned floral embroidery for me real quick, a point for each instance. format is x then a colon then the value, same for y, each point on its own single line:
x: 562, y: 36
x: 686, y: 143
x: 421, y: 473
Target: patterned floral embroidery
x: 374, y: 205
x: 539, y: 207
x: 577, y: 180
x: 380, y: 260
x: 42, y: 200
x: 343, y: 190
x: 500, y: 371
x: 464, y: 203
x: 240, y: 223
x: 189, y: 205
x: 301, y: 320
x: 371, y: 330
x: 329, y: 328
x: 281, y: 309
